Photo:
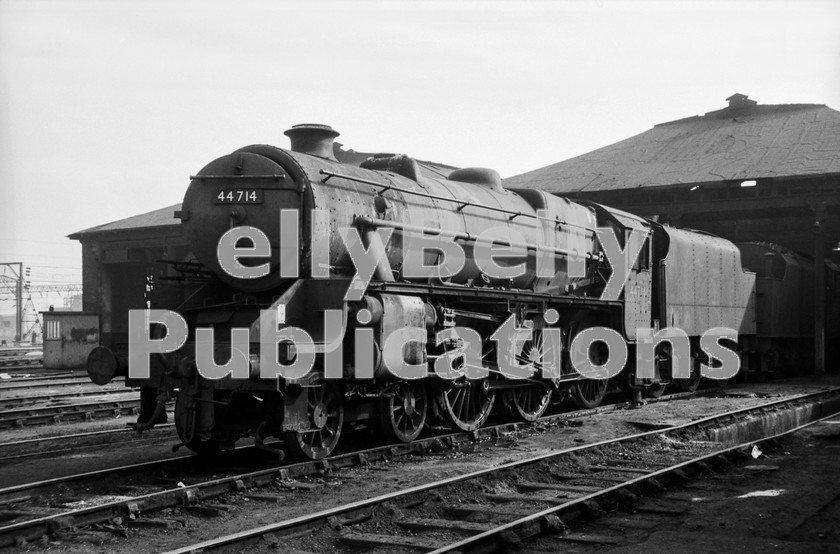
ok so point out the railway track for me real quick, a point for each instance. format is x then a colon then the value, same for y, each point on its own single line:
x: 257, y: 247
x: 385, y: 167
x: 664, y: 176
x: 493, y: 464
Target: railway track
x: 517, y: 501
x: 21, y: 367
x: 18, y: 500
x: 8, y: 403
x: 21, y: 358
x: 63, y: 380
x: 17, y: 350
x: 67, y: 412
x: 46, y: 447
x: 15, y: 362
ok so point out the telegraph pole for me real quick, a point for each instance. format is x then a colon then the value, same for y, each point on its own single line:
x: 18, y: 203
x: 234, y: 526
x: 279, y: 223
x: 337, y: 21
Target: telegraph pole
x: 17, y: 286
x: 18, y: 298
x: 19, y: 336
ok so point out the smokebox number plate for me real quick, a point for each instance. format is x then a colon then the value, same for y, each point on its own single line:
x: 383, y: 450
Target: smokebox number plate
x: 238, y: 196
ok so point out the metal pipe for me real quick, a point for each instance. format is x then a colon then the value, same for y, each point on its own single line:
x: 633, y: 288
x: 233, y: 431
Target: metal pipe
x: 373, y: 242
x: 374, y: 222
x: 278, y: 177
x: 462, y: 203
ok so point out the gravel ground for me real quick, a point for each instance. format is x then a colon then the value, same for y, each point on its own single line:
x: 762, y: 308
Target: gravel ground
x: 788, y: 500
x: 62, y: 389
x: 240, y: 512
x: 87, y: 453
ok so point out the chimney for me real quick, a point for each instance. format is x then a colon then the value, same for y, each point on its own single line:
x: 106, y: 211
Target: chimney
x: 313, y: 138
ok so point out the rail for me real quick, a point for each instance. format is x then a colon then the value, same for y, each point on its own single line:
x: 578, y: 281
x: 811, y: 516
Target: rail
x: 809, y: 409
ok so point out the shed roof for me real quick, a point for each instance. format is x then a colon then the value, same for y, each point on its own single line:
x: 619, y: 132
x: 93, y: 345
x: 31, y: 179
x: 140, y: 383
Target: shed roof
x: 162, y: 217
x: 743, y: 141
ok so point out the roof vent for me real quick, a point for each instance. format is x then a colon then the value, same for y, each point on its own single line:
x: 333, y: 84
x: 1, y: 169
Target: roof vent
x: 740, y: 101
x: 313, y: 138
x: 478, y: 176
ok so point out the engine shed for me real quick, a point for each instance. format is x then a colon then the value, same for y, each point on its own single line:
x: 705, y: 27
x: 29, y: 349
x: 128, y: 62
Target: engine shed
x: 748, y: 173
x: 120, y: 265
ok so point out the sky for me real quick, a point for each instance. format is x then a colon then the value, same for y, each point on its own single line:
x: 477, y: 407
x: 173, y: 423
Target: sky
x: 106, y: 108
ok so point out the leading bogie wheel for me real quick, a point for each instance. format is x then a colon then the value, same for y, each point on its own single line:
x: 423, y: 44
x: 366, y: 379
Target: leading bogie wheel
x: 325, y: 411
x: 654, y: 391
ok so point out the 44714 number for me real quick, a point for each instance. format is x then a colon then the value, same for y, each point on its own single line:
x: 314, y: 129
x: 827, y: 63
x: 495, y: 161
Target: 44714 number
x: 238, y: 196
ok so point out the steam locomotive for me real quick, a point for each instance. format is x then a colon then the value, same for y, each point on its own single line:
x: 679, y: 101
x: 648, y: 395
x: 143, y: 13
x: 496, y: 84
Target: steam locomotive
x: 300, y: 266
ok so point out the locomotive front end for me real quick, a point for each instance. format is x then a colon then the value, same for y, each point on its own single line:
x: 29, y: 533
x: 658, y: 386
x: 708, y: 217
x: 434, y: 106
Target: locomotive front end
x: 246, y: 193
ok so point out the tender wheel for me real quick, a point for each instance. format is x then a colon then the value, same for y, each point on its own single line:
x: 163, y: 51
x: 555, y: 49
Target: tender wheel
x: 403, y: 415
x: 528, y: 403
x: 466, y: 407
x: 326, y: 416
x: 654, y: 391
